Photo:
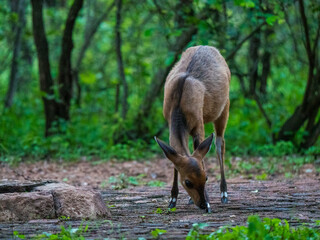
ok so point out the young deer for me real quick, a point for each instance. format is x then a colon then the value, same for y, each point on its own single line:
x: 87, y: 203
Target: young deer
x: 196, y: 92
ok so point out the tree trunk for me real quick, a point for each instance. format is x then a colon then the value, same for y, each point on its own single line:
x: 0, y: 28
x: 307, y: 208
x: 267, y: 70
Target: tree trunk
x: 88, y: 38
x: 160, y: 77
x: 65, y: 70
x: 117, y: 98
x: 307, y: 111
x: 18, y: 6
x: 46, y: 83
x: 266, y: 61
x: 253, y: 62
x: 124, y: 99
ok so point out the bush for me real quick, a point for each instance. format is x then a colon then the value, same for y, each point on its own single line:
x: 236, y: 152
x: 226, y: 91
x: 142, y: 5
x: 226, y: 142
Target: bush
x: 257, y: 229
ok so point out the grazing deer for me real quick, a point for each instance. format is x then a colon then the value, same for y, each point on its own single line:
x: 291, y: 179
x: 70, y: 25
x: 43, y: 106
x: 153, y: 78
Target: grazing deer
x: 196, y: 92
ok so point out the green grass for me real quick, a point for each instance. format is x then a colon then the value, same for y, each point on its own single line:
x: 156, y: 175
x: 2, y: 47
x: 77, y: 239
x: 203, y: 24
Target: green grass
x: 257, y: 229
x: 262, y: 168
x: 64, y: 234
x: 123, y: 181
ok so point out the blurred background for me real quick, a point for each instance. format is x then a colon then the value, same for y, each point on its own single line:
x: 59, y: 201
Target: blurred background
x: 85, y: 78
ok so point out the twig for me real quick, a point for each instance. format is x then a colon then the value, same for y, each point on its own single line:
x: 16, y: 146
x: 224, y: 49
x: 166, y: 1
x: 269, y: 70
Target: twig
x: 237, y: 48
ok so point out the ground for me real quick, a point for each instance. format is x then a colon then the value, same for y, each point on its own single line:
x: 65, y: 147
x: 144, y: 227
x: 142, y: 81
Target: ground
x: 134, y: 208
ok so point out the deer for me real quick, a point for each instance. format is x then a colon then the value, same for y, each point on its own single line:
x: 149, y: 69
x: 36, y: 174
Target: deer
x: 196, y: 92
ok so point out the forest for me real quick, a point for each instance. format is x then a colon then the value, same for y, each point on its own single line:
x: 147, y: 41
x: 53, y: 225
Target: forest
x: 81, y: 100
x: 85, y: 78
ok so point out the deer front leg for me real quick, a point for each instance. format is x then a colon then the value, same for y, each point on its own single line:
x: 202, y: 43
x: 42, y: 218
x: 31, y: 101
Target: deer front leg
x: 220, y: 152
x: 174, y: 190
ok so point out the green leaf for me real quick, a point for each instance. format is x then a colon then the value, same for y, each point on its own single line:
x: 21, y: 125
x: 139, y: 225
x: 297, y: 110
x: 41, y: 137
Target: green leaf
x: 271, y: 20
x: 156, y: 183
x: 169, y: 60
x: 157, y: 232
x: 148, y: 32
x: 88, y: 78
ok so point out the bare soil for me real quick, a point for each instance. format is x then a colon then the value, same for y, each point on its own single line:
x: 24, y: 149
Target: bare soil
x: 134, y: 209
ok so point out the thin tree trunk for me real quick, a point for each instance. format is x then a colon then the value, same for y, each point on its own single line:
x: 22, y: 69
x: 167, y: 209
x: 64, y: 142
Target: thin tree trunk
x: 253, y: 62
x: 46, y: 83
x: 117, y: 98
x: 88, y: 38
x: 19, y: 8
x: 266, y: 67
x: 65, y: 70
x: 124, y: 99
x: 312, y: 137
x: 160, y: 77
x: 266, y: 61
x: 239, y: 45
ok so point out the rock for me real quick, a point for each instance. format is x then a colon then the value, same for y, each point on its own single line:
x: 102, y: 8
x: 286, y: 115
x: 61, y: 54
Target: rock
x: 76, y: 203
x: 26, y: 206
x: 17, y: 186
x: 48, y: 200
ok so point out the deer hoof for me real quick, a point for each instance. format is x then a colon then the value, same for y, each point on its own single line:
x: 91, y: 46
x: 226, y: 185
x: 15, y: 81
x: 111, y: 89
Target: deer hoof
x: 224, y: 197
x: 208, y: 208
x: 172, y: 203
x: 190, y: 201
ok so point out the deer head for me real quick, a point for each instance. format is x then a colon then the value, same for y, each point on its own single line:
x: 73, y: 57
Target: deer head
x: 191, y: 169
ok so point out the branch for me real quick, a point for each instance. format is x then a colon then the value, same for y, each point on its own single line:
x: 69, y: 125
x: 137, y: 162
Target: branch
x: 65, y: 70
x: 315, y: 45
x: 90, y: 35
x: 269, y: 123
x: 237, y: 48
x: 306, y: 30
x: 286, y: 17
x: 118, y: 43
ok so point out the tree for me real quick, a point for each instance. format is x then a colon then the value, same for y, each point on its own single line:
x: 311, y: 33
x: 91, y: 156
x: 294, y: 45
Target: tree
x: 91, y: 28
x: 18, y: 7
x: 45, y: 78
x: 184, y: 13
x: 54, y: 110
x: 118, y: 40
x: 65, y: 78
x: 307, y: 111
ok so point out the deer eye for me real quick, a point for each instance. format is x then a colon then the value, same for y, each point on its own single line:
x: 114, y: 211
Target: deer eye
x: 206, y: 178
x: 188, y: 184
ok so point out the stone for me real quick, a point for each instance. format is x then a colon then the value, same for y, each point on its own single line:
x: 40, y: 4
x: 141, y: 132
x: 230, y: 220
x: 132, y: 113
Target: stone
x: 76, y: 203
x: 26, y: 206
x: 49, y: 200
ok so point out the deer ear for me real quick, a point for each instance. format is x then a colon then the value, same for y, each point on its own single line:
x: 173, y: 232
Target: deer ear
x: 169, y: 151
x: 203, y: 148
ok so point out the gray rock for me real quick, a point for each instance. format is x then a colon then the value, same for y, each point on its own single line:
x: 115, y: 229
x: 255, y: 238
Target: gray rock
x: 25, y: 206
x: 76, y: 203
x: 48, y: 200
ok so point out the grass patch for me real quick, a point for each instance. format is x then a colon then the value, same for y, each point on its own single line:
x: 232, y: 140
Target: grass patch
x: 257, y: 229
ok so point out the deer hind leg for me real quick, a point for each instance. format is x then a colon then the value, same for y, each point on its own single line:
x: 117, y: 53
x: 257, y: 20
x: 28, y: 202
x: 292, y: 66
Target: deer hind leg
x: 174, y: 190
x: 220, y: 126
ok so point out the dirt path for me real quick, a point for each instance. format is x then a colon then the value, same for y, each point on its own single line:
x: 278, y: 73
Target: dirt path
x: 133, y: 210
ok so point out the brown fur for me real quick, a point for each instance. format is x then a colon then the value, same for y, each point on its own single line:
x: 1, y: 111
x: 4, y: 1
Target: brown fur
x: 197, y: 92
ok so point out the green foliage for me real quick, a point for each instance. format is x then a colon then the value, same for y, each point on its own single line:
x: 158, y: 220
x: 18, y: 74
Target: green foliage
x: 147, y: 34
x: 65, y: 234
x: 264, y: 167
x: 257, y: 229
x: 157, y: 232
x: 165, y: 211
x: 123, y: 181
x: 156, y: 183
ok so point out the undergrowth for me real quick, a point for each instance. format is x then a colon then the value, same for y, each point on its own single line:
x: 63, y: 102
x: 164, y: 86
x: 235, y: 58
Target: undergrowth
x: 256, y: 229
